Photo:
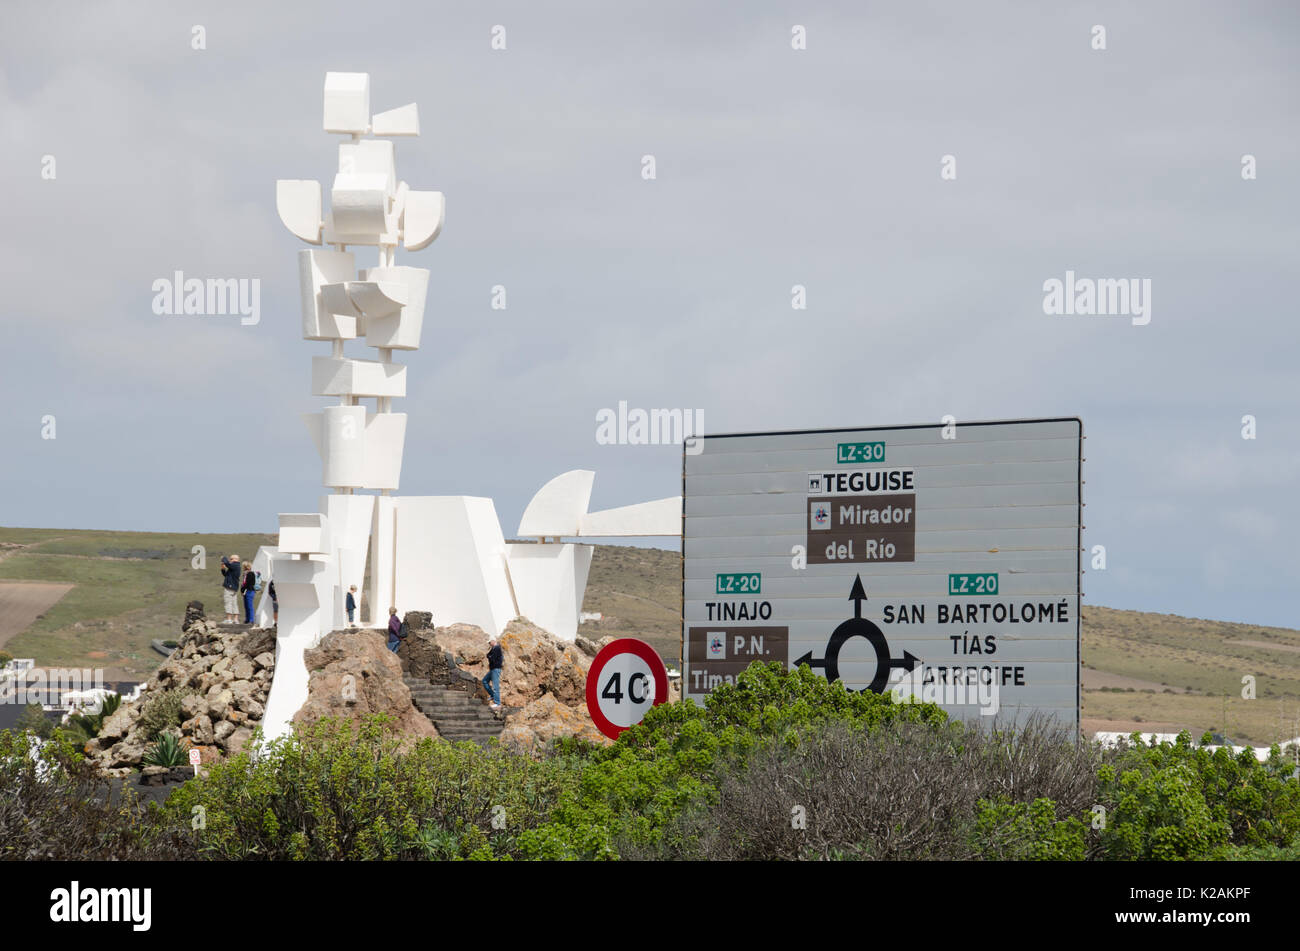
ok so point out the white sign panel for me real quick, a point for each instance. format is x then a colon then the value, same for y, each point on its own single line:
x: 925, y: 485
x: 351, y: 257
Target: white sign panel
x: 940, y: 562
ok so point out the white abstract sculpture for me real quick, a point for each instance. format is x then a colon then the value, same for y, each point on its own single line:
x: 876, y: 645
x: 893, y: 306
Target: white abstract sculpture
x: 444, y: 554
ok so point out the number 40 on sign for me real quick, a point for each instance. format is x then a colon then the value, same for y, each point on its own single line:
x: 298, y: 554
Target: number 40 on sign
x: 626, y: 679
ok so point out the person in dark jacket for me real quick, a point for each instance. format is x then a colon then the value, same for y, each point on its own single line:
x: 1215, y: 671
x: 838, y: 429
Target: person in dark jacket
x: 351, y: 605
x: 394, y: 630
x: 249, y: 587
x: 230, y: 569
x: 492, y: 679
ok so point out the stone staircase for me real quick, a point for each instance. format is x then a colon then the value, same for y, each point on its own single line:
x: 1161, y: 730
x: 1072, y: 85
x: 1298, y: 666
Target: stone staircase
x: 458, y: 714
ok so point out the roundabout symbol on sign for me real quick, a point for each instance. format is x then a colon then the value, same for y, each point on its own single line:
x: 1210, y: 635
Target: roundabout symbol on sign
x: 858, y: 626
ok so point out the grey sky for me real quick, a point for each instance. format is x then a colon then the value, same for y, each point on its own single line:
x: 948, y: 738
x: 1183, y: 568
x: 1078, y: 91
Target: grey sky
x: 775, y: 167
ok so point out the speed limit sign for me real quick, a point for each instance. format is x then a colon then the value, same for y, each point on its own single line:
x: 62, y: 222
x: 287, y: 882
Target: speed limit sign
x: 626, y: 679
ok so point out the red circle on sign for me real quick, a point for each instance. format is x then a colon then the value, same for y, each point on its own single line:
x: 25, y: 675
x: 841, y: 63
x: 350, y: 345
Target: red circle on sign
x: 624, y: 645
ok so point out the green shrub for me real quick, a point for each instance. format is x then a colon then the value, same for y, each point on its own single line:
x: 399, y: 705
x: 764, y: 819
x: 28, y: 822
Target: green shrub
x: 1176, y: 801
x: 632, y: 793
x: 1028, y: 831
x: 338, y: 791
x: 57, y: 810
x: 34, y: 720
x: 5, y: 659
x: 162, y: 711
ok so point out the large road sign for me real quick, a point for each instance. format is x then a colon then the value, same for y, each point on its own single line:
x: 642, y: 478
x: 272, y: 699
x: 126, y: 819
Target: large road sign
x: 626, y: 679
x: 941, y: 561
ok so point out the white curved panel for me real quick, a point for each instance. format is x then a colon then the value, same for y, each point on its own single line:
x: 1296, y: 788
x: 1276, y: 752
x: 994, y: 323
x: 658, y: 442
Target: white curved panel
x: 422, y: 217
x: 558, y: 506
x: 297, y: 202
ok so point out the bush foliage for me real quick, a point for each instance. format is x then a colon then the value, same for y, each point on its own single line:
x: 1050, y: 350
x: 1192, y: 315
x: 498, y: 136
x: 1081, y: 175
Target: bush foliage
x: 779, y: 765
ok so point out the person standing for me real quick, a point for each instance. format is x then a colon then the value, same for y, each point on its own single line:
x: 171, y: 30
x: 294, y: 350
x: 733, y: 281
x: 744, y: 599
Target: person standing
x: 352, y: 606
x: 230, y: 587
x: 395, y: 626
x: 249, y: 589
x: 492, y: 679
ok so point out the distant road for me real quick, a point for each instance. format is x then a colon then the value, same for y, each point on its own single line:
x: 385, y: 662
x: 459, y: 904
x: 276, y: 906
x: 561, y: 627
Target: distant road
x: 21, y: 602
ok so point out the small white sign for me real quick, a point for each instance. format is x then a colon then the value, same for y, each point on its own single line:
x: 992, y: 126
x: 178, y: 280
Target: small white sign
x: 195, y: 757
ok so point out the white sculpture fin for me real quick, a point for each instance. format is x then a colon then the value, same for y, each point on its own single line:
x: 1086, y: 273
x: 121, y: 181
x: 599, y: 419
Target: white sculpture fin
x: 297, y: 201
x: 660, y: 517
x: 558, y: 506
x: 422, y: 217
x: 404, y: 120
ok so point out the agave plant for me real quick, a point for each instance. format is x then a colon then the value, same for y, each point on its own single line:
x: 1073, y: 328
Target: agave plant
x: 170, y: 750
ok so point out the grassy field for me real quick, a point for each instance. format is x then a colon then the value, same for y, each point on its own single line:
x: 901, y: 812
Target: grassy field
x: 130, y: 587
x: 1148, y: 672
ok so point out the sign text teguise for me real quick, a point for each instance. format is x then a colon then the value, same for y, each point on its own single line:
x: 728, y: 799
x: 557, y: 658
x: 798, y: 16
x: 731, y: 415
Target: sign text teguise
x: 897, y: 558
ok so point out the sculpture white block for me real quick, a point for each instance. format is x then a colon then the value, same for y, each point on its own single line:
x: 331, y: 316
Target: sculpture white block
x: 400, y: 330
x: 303, y: 533
x: 347, y: 377
x: 362, y: 198
x: 549, y: 582
x: 385, y: 441
x: 347, y: 102
x: 343, y: 446
x: 315, y: 270
x: 450, y: 559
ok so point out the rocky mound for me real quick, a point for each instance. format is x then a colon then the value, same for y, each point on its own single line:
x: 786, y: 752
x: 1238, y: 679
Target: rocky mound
x: 543, y: 682
x: 354, y: 674
x: 213, y: 688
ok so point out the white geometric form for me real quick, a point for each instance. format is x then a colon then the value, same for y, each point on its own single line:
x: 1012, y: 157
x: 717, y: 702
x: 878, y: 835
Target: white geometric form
x: 347, y: 103
x: 450, y: 559
x: 385, y: 441
x: 377, y: 298
x: 404, y: 120
x: 343, y: 446
x: 549, y: 581
x: 316, y: 269
x: 399, y: 330
x: 263, y: 616
x: 303, y: 533
x: 422, y: 216
x: 350, y: 518
x: 558, y: 506
x: 660, y: 517
x: 383, y: 553
x: 298, y: 204
x: 304, y: 588
x: 347, y: 377
x: 445, y: 554
x: 361, y: 200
